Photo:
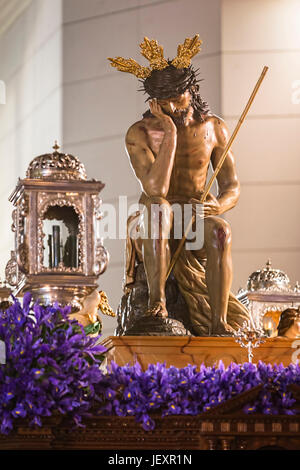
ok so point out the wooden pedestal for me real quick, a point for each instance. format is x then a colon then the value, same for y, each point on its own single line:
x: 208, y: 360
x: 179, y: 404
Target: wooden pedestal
x: 180, y: 351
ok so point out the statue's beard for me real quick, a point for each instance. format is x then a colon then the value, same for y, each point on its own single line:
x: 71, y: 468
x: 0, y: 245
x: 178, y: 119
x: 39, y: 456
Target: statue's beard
x: 179, y: 117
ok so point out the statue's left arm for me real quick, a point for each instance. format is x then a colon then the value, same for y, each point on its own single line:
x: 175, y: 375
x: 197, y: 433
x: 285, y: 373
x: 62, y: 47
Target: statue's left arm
x: 228, y: 183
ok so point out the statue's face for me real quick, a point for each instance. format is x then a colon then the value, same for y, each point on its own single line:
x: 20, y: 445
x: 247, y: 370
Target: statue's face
x: 294, y: 330
x: 175, y: 106
x: 178, y: 108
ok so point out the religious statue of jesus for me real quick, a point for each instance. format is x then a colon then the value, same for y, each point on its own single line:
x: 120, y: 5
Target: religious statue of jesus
x: 170, y: 150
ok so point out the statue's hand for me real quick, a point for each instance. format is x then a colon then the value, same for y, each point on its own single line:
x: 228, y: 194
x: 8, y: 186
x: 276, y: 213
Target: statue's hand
x: 211, y: 206
x: 165, y: 120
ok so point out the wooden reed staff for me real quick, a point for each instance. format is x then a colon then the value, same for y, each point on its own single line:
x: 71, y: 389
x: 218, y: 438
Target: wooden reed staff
x: 218, y: 167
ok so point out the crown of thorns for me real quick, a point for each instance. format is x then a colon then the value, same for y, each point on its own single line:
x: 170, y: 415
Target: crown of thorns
x: 153, y: 52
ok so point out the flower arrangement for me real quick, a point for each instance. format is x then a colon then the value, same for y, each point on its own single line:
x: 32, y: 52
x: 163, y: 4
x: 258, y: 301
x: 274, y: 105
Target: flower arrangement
x: 127, y: 390
x: 53, y: 365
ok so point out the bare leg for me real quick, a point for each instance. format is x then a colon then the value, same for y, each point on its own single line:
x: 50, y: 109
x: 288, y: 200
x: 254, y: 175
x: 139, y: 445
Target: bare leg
x: 156, y: 253
x: 218, y: 271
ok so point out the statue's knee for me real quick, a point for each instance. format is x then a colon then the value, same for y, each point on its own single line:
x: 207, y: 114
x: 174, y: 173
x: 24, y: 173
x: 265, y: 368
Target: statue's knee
x: 150, y: 200
x: 220, y: 235
x: 158, y: 207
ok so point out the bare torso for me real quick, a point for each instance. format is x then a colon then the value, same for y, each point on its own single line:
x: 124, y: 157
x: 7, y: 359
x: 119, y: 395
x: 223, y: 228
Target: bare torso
x: 195, y: 144
x: 174, y: 163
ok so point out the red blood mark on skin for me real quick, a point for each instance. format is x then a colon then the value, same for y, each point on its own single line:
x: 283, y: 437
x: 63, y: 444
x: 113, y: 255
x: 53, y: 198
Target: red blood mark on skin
x: 221, y: 239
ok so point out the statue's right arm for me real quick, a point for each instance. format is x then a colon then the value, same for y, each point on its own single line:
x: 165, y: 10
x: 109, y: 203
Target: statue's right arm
x: 153, y: 173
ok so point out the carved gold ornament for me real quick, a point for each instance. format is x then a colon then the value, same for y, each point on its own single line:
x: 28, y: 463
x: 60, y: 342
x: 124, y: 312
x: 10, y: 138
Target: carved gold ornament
x: 130, y: 66
x: 154, y: 53
x: 104, y: 305
x: 186, y: 51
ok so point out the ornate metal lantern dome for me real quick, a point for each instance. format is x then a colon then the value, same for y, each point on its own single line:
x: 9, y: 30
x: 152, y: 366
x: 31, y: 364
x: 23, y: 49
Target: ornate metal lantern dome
x: 56, y: 166
x: 268, y: 279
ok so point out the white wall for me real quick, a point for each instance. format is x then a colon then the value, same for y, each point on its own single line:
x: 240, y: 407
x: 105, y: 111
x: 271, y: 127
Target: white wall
x: 266, y: 222
x: 30, y: 121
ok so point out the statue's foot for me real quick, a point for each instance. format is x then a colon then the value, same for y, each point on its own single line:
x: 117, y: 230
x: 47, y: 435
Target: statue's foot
x: 223, y: 329
x: 157, y: 309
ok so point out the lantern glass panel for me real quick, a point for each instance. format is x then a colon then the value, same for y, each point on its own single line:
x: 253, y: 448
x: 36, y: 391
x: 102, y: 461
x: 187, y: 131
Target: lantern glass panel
x: 61, y: 230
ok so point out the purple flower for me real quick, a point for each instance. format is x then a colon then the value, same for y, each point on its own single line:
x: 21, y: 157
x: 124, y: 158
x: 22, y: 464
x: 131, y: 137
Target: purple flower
x: 173, y: 409
x: 19, y: 411
x: 147, y: 423
x: 51, y: 364
x: 36, y: 421
x: 26, y: 302
x: 38, y: 373
x: 249, y: 409
x: 6, y: 423
x: 110, y: 393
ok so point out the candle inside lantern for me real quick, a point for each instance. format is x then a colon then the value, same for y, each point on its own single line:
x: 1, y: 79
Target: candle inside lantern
x: 268, y: 326
x: 56, y: 245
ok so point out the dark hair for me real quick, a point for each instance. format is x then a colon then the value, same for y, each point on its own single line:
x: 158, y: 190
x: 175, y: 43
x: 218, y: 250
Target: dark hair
x: 287, y: 319
x: 171, y: 82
